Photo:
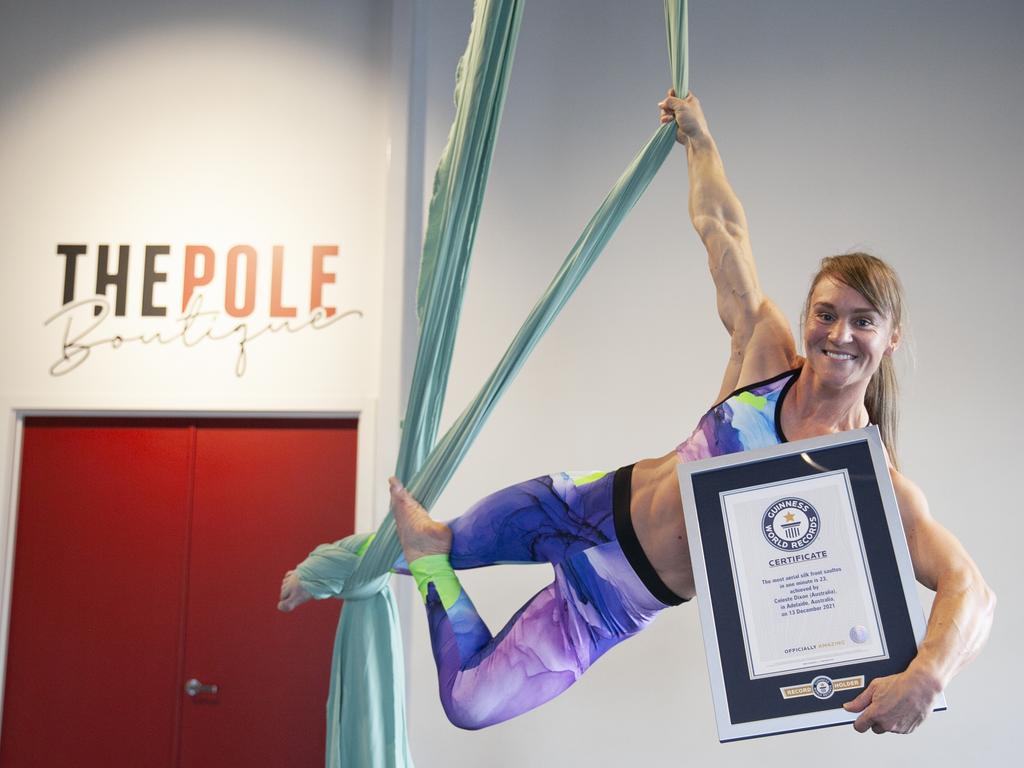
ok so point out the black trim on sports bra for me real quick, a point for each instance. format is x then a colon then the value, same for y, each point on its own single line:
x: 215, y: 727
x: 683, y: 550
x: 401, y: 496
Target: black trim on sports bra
x: 622, y: 486
x: 760, y: 384
x: 778, y: 405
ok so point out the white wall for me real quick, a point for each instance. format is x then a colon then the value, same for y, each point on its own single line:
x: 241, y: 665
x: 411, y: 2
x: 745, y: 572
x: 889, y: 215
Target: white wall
x: 883, y: 126
x: 886, y: 126
x: 220, y: 124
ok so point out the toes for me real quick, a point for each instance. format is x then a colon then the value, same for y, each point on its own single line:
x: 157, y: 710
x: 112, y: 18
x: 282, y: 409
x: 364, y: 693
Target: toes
x: 397, y: 489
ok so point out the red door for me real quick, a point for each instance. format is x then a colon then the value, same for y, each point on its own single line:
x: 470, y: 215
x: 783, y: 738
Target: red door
x: 148, y: 553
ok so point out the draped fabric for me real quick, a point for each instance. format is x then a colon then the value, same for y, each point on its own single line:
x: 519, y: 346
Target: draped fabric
x: 366, y: 704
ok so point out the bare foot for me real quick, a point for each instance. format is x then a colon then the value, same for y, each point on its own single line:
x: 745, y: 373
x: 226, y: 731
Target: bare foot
x: 419, y: 534
x: 293, y: 594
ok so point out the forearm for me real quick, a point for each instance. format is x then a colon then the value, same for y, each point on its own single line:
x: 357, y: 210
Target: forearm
x: 714, y: 207
x: 718, y: 217
x: 958, y: 626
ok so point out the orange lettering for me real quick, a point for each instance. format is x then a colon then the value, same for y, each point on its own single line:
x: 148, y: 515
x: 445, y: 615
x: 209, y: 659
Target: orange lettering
x: 192, y: 280
x: 276, y: 280
x: 231, y: 283
x: 321, y: 277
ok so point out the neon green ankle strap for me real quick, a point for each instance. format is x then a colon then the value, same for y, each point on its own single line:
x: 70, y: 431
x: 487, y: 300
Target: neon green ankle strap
x: 436, y: 570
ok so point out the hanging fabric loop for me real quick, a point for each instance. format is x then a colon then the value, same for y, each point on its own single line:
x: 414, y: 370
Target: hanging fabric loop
x: 366, y: 705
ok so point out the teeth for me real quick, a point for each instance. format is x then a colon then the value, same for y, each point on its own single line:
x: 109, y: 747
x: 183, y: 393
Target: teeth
x: 838, y: 355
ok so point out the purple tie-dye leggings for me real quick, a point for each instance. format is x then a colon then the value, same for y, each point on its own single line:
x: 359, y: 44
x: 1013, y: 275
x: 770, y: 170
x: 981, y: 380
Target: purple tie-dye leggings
x: 604, y: 591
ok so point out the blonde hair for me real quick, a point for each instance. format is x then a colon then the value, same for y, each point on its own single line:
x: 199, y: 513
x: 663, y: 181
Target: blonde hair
x: 877, y: 282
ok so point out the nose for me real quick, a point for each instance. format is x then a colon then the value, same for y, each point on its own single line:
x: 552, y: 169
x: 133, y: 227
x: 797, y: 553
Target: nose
x: 840, y: 333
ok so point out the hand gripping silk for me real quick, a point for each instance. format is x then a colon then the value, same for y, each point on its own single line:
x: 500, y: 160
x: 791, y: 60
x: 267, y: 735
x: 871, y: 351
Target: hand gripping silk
x: 366, y: 706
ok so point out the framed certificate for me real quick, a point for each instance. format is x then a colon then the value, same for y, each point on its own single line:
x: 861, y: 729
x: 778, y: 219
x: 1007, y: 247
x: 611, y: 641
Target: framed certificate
x: 804, y: 582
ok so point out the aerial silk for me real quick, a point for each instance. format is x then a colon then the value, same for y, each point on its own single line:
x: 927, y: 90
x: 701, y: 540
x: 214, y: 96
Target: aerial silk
x: 366, y: 703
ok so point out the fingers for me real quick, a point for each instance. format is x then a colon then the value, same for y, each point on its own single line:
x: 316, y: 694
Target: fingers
x: 863, y: 699
x: 862, y: 704
x: 863, y: 723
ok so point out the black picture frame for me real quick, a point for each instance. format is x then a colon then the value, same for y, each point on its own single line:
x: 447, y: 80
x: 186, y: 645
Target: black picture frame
x: 747, y: 705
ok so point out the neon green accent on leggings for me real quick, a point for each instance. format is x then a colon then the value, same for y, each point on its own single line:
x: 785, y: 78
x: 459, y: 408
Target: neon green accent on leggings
x: 436, y: 569
x: 578, y: 481
x: 748, y: 398
x: 365, y: 545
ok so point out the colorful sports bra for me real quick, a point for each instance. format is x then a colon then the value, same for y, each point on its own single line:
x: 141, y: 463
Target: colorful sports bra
x: 748, y: 418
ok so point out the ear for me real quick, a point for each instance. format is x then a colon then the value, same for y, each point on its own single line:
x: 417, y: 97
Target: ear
x: 894, y: 341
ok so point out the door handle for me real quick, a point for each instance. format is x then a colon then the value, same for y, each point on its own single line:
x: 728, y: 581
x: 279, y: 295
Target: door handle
x: 193, y: 688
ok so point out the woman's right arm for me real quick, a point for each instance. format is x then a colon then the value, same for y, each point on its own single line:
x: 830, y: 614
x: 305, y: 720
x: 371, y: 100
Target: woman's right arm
x: 761, y: 340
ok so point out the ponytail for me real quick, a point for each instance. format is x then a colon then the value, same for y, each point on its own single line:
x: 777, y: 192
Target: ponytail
x: 881, y: 401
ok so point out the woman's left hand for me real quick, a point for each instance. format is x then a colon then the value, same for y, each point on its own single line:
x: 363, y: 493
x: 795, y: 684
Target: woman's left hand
x: 894, y: 704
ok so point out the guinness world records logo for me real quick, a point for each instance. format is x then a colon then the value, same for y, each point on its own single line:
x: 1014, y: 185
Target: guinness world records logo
x: 822, y: 687
x: 790, y: 524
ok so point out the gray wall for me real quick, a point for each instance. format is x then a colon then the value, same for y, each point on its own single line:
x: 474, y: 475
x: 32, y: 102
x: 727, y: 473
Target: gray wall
x: 887, y: 126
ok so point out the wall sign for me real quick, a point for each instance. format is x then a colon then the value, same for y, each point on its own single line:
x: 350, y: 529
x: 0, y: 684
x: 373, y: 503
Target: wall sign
x: 218, y: 300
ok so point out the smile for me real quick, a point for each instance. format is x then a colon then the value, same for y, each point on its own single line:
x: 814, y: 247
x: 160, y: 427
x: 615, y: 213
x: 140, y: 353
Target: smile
x: 838, y: 355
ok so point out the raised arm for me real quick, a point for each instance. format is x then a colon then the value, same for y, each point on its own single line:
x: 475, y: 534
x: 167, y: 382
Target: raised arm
x: 761, y: 340
x: 958, y: 625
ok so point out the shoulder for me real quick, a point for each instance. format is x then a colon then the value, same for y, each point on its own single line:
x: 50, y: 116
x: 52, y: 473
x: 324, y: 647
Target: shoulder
x: 934, y: 551
x: 911, y: 499
x: 761, y: 347
x: 926, y: 539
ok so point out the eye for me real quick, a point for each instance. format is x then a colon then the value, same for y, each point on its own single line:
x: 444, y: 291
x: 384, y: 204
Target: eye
x: 826, y: 317
x: 865, y: 322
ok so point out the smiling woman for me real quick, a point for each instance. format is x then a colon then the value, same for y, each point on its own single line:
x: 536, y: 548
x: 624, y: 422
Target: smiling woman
x: 617, y: 541
x: 853, y: 317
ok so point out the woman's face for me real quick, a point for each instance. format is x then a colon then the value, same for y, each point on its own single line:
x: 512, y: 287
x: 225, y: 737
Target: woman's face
x: 845, y: 338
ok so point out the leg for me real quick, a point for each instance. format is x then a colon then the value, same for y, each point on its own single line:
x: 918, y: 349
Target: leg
x: 543, y: 520
x: 532, y: 660
x: 595, y: 602
x: 546, y: 519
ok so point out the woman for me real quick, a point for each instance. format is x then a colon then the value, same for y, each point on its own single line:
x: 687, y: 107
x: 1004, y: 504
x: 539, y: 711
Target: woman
x: 617, y: 541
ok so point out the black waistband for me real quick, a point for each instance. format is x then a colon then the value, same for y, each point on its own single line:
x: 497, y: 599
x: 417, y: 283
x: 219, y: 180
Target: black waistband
x: 621, y: 487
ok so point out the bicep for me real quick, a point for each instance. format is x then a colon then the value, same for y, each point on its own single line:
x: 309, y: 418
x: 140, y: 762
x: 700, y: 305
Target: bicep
x: 934, y: 551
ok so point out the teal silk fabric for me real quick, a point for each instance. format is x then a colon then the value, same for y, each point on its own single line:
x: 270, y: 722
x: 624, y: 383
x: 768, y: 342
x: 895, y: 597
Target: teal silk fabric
x: 366, y: 704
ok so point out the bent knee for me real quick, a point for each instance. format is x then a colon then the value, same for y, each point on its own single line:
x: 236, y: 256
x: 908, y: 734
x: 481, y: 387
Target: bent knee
x: 478, y: 706
x: 467, y: 717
